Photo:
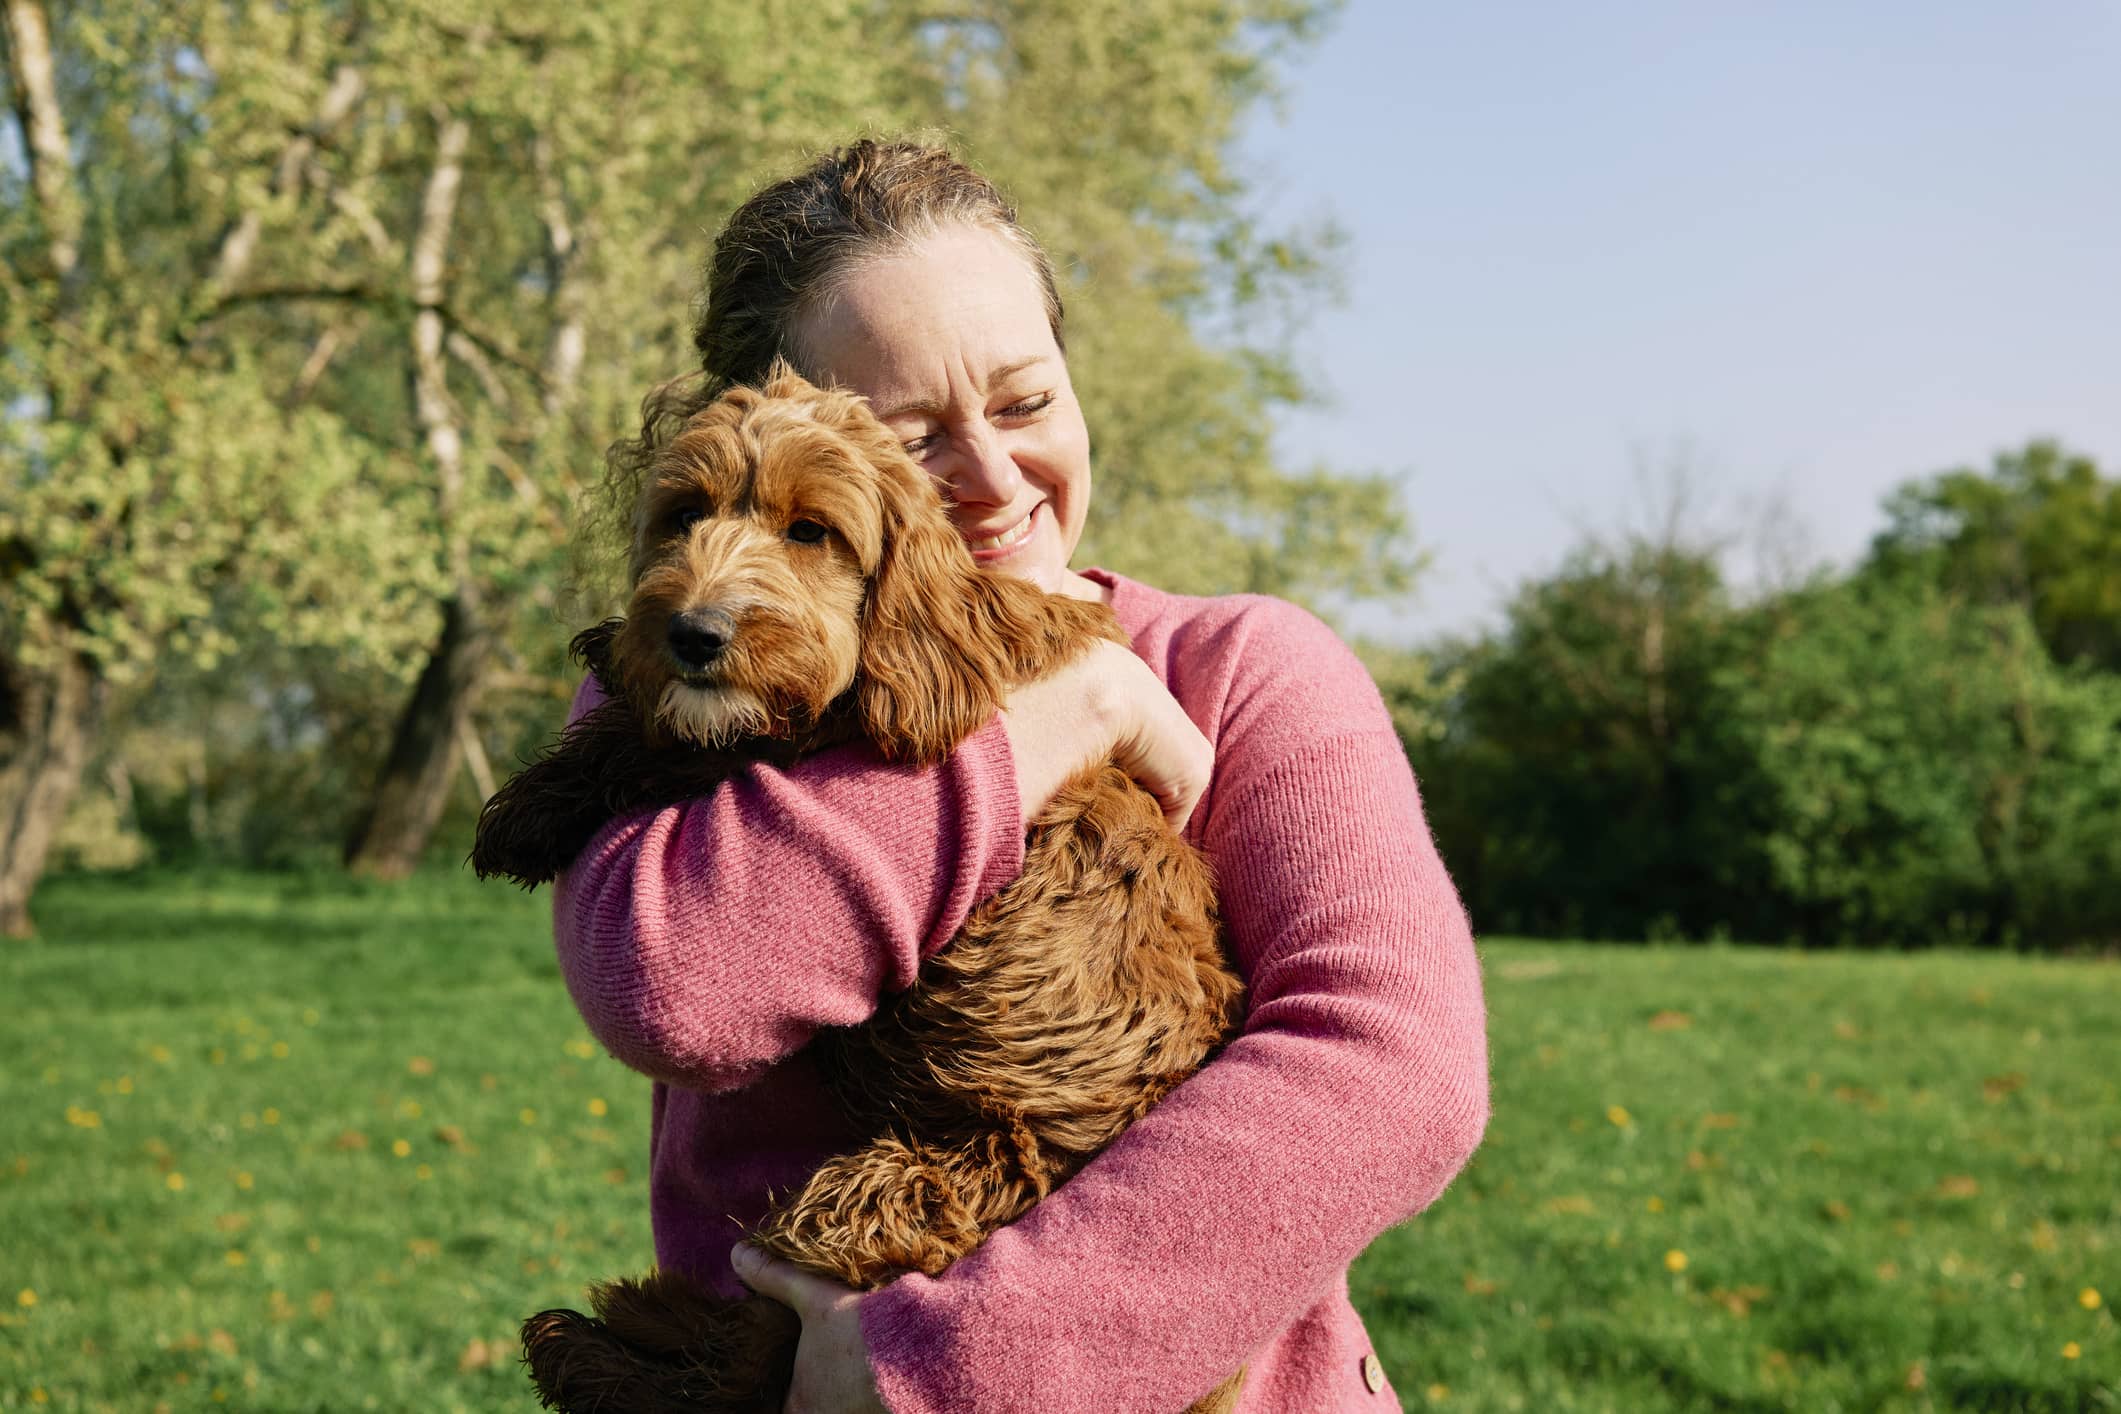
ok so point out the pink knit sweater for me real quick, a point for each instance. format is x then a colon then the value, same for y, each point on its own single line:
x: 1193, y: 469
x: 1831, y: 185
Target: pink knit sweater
x: 706, y: 943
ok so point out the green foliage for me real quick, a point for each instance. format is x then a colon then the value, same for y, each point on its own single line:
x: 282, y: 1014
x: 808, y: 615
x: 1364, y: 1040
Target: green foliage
x: 1586, y: 782
x: 1872, y: 1165
x: 213, y: 472
x: 2041, y: 529
x: 1929, y: 772
x: 1891, y: 757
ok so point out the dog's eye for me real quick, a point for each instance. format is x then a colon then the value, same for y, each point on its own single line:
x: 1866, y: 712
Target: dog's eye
x: 806, y: 532
x: 685, y: 518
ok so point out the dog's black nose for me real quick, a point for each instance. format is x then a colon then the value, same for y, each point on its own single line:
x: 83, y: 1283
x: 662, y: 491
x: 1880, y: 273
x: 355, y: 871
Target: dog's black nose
x: 698, y: 636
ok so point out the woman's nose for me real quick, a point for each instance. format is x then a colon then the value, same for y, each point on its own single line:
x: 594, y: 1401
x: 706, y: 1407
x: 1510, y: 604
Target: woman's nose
x: 985, y: 473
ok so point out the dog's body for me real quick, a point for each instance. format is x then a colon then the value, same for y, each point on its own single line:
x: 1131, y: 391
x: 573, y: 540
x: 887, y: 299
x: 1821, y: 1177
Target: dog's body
x: 798, y: 585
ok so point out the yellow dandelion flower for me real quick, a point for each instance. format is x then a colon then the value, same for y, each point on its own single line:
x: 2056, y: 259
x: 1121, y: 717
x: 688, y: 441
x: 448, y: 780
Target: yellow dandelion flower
x: 2089, y: 1298
x: 309, y: 1016
x: 1675, y: 1260
x: 1438, y: 1393
x: 25, y: 1298
x: 279, y: 1050
x: 271, y: 1115
x: 528, y: 1115
x: 1616, y: 1115
x: 38, y: 1396
x: 244, y: 1180
x: 423, y: 1172
x: 125, y: 1085
x: 2071, y: 1351
x: 159, y: 1054
x: 217, y: 1055
x: 1655, y: 1204
x: 175, y: 1182
x: 599, y: 1108
x: 580, y: 1049
x: 410, y: 1109
x: 236, y: 1257
x: 400, y: 1147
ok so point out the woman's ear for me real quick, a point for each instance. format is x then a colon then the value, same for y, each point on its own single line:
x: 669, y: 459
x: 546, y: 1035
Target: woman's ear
x: 934, y: 660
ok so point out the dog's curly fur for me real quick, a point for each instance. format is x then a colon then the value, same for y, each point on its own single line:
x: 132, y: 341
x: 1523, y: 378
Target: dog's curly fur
x: 845, y: 607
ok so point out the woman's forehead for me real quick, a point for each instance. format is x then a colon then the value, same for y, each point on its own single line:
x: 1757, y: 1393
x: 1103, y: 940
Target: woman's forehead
x: 961, y: 305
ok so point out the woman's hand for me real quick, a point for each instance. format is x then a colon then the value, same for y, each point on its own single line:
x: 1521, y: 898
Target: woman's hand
x: 1106, y: 704
x: 831, y: 1361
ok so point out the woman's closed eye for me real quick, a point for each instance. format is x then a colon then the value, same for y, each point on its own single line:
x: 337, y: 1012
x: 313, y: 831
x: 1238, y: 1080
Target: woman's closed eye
x: 1028, y: 407
x: 1023, y: 409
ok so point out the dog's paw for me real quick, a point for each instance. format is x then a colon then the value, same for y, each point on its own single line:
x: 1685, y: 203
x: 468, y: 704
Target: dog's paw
x: 659, y: 1347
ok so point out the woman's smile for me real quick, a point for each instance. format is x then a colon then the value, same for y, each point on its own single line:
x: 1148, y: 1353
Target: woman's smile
x: 992, y: 548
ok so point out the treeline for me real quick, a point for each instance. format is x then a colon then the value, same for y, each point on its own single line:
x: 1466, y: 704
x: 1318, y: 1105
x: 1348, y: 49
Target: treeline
x: 1923, y: 750
x: 317, y: 319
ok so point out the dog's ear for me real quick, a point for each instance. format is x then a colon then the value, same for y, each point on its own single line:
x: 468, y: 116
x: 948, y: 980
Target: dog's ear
x: 934, y: 657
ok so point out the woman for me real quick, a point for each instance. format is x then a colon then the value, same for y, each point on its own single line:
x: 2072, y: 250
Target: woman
x: 706, y: 943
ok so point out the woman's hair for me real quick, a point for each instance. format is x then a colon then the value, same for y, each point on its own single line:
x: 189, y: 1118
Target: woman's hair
x: 786, y: 252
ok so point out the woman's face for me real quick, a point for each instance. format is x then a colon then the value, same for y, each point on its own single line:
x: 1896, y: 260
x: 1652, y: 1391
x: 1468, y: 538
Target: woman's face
x: 949, y: 342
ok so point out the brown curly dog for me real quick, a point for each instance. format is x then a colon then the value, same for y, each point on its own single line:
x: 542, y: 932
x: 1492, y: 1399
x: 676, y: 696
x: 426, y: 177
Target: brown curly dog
x: 797, y: 583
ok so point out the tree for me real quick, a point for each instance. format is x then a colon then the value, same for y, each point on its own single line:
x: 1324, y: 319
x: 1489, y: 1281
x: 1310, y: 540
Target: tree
x: 1926, y: 774
x: 163, y: 490
x: 2041, y: 529
x: 415, y: 267
x: 1129, y: 187
x: 1585, y: 781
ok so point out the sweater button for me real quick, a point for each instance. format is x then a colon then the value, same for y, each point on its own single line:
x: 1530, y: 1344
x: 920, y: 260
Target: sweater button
x: 1373, y: 1374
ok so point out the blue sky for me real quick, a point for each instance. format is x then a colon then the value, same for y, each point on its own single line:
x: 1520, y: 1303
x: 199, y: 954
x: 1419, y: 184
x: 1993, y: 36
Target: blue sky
x: 1811, y: 250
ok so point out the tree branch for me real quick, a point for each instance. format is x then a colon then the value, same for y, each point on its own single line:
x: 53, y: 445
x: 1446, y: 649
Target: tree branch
x: 430, y: 371
x: 51, y: 160
x: 239, y: 244
x: 564, y: 349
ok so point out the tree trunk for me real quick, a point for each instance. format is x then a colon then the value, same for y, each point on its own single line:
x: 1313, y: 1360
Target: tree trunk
x: 48, y: 723
x: 424, y: 754
x: 426, y: 750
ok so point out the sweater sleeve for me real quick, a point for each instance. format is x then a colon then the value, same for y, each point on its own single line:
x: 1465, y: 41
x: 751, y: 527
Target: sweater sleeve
x: 1355, y: 1091
x: 702, y: 942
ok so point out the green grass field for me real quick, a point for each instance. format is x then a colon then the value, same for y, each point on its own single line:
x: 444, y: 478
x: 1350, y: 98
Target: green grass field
x: 288, y: 1144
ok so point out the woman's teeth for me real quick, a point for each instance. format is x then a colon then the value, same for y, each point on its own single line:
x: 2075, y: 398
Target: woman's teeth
x: 1007, y: 538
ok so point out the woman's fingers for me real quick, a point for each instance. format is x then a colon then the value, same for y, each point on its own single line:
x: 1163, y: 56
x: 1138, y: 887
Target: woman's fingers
x: 832, y: 1374
x: 1106, y: 704
x: 800, y: 1291
x: 1168, y: 755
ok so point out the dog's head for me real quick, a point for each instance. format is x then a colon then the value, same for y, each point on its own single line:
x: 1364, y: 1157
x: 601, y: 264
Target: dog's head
x: 787, y: 554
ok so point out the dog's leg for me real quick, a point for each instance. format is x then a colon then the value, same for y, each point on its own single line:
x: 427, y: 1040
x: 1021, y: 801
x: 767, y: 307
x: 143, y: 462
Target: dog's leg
x: 896, y: 1207
x: 663, y: 1345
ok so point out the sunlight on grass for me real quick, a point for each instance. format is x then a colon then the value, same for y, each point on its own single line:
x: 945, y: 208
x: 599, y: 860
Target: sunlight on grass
x: 290, y: 1144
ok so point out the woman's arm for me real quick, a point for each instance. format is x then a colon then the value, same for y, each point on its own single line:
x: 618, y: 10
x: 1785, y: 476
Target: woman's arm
x: 703, y: 942
x: 1356, y: 1090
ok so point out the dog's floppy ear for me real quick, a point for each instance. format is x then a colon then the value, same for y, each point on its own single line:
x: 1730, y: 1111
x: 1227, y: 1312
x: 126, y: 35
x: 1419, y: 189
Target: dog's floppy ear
x: 934, y: 660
